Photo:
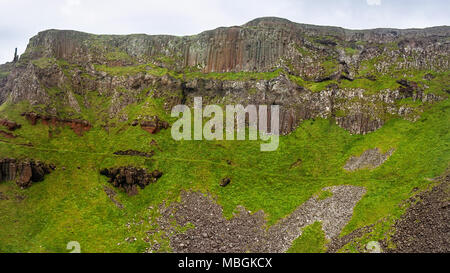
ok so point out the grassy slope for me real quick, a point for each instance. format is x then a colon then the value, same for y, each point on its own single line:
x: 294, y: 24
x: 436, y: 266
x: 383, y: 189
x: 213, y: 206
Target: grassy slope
x: 312, y: 240
x: 70, y: 204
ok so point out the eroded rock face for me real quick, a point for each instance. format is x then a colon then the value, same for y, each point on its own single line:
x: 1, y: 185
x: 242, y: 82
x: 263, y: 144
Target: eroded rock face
x: 25, y: 173
x: 360, y: 123
x: 360, y: 113
x: 370, y: 159
x: 258, y: 45
x: 129, y: 178
x: 154, y: 125
x: 77, y: 125
x: 262, y: 45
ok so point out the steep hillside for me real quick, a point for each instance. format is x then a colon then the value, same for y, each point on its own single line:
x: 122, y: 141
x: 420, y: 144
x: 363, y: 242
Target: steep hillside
x: 85, y: 125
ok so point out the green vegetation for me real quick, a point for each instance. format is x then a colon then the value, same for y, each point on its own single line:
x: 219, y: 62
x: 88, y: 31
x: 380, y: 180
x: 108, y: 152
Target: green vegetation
x: 312, y: 240
x: 324, y: 195
x: 159, y: 71
x: 119, y: 56
x: 71, y: 205
x: 437, y: 85
x: 4, y: 74
x: 351, y: 51
x: 44, y: 62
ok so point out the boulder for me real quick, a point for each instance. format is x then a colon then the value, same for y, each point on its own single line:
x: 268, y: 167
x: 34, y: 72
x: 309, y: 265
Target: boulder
x: 129, y: 178
x: 225, y: 182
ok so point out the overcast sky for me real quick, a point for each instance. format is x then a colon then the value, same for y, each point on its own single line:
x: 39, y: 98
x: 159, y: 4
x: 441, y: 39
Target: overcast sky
x: 22, y: 19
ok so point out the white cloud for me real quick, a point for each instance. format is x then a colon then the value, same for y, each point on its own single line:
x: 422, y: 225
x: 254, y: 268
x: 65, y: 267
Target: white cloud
x: 373, y: 2
x: 69, y: 6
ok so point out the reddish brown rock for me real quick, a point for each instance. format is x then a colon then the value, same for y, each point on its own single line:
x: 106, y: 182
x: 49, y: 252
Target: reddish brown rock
x: 154, y: 125
x: 25, y: 177
x: 7, y: 135
x: 32, y: 117
x: 11, y: 125
x: 77, y: 125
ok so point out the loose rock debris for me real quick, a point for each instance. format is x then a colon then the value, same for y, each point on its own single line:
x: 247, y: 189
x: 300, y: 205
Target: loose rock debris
x: 247, y: 232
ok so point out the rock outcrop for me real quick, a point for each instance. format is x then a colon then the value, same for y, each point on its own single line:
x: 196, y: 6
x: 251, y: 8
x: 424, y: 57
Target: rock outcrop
x: 25, y: 172
x: 225, y: 182
x: 77, y: 125
x: 129, y: 178
x: 153, y: 125
x: 11, y: 125
x: 60, y: 68
x: 7, y: 134
x: 111, y: 194
x: 359, y: 112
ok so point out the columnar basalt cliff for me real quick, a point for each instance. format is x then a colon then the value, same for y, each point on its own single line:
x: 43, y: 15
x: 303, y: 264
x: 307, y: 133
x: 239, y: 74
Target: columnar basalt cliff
x: 23, y: 172
x: 256, y: 46
x: 360, y: 78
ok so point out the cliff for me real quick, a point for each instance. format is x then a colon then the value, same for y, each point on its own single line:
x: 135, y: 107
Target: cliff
x: 256, y: 46
x: 311, y: 71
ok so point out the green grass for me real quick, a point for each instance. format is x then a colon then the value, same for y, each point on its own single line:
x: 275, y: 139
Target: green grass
x: 71, y: 205
x: 44, y: 62
x: 324, y: 195
x: 188, y: 75
x: 312, y: 240
x: 4, y: 74
x: 351, y: 51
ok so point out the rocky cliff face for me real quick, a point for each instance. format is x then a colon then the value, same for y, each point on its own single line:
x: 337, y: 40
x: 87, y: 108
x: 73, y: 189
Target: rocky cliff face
x: 259, y: 45
x: 360, y: 78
